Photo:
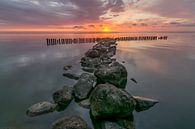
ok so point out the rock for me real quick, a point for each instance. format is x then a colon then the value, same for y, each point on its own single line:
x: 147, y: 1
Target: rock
x: 71, y: 76
x: 40, y: 109
x: 70, y: 122
x: 144, y: 103
x: 114, y: 123
x: 85, y: 103
x: 92, y: 53
x: 132, y: 79
x: 84, y: 86
x: 108, y: 101
x: 67, y: 67
x: 114, y: 73
x: 90, y: 70
x: 90, y: 62
x: 63, y: 97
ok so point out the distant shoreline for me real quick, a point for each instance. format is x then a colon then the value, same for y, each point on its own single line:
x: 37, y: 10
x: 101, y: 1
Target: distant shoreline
x: 64, y: 41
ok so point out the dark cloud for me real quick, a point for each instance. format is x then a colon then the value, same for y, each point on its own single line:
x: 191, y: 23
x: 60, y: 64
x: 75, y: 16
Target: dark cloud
x: 56, y: 12
x: 78, y: 27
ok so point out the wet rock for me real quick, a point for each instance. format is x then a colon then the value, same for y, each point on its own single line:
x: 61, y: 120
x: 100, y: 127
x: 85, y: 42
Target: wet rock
x: 84, y: 86
x: 92, y: 53
x: 107, y: 101
x: 114, y: 73
x: 114, y: 123
x: 40, y: 109
x: 90, y: 70
x: 90, y: 62
x: 67, y: 67
x: 63, y: 97
x: 132, y: 79
x: 144, y: 103
x: 71, y: 76
x: 85, y: 103
x: 70, y: 122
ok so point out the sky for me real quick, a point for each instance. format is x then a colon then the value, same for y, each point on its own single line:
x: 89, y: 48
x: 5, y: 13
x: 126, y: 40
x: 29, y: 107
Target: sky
x: 97, y: 15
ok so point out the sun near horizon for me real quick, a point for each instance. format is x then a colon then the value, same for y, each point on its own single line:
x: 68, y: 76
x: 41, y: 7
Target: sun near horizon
x: 106, y: 29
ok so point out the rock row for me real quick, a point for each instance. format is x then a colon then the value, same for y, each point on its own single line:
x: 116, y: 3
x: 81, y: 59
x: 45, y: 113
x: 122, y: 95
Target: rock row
x: 101, y: 89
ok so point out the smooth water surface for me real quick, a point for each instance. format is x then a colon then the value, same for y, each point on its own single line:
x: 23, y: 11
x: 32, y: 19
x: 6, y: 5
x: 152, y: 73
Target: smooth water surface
x: 30, y: 72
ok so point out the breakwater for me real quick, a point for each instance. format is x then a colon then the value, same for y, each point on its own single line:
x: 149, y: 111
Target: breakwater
x: 64, y: 41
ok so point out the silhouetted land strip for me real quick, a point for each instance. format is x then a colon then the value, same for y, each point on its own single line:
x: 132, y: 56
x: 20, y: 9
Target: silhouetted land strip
x: 63, y: 41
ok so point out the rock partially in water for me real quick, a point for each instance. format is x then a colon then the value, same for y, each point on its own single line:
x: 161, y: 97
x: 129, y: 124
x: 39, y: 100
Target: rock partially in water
x: 107, y: 101
x: 71, y: 76
x: 92, y: 53
x: 114, y: 73
x: 90, y: 62
x: 63, y: 97
x: 70, y: 122
x: 85, y: 103
x: 144, y: 103
x: 89, y: 70
x: 114, y: 123
x: 41, y: 108
x: 67, y: 67
x: 84, y: 86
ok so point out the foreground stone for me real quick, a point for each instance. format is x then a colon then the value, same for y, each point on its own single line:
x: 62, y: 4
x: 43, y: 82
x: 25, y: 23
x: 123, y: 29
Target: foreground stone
x: 107, y: 101
x: 85, y: 103
x: 71, y: 76
x: 70, y: 122
x: 144, y: 103
x: 63, y: 97
x: 114, y: 123
x: 114, y: 73
x: 84, y: 86
x: 40, y: 109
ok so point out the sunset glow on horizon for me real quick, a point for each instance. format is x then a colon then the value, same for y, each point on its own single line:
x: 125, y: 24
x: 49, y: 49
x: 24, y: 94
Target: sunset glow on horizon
x: 96, y: 15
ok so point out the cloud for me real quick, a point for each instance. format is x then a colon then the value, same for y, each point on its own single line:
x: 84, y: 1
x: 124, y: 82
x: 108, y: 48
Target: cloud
x: 56, y: 12
x: 78, y: 27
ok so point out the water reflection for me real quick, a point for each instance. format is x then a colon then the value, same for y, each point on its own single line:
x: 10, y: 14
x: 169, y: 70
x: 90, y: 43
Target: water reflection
x: 35, y: 78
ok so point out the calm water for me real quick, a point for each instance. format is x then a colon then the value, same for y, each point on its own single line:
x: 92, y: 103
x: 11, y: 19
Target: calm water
x: 30, y: 72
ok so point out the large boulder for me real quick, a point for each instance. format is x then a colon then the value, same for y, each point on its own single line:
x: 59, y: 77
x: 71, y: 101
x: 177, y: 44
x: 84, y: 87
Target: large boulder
x: 92, y: 53
x: 40, y: 109
x: 84, y: 86
x: 144, y: 103
x: 70, y: 122
x: 114, y: 73
x: 114, y: 123
x: 63, y: 97
x: 107, y: 101
x: 90, y: 62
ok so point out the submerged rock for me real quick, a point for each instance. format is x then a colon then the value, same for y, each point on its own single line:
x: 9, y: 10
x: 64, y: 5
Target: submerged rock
x: 107, y: 101
x: 85, y: 103
x: 84, y: 86
x: 90, y: 70
x: 71, y: 76
x: 63, y: 97
x: 67, y: 67
x: 144, y: 103
x: 70, y: 122
x: 114, y: 73
x: 40, y: 109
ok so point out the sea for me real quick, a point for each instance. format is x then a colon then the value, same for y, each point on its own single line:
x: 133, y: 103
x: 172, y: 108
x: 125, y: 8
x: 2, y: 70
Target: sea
x: 31, y: 71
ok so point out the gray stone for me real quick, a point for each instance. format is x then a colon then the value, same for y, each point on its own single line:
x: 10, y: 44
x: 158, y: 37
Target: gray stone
x: 92, y: 53
x: 63, y: 97
x: 71, y: 76
x: 84, y: 86
x: 114, y: 73
x: 85, y: 103
x: 70, y: 122
x: 40, y: 109
x: 144, y: 103
x: 107, y: 101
